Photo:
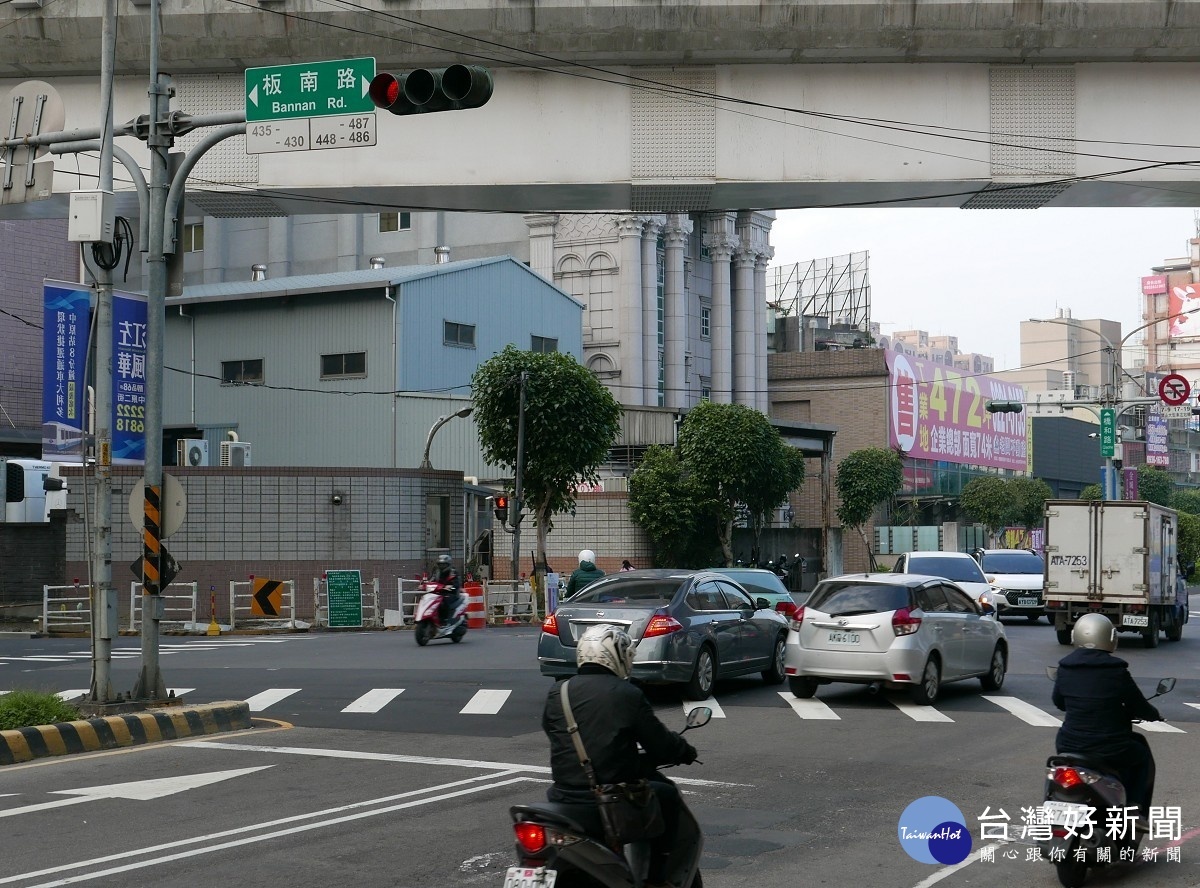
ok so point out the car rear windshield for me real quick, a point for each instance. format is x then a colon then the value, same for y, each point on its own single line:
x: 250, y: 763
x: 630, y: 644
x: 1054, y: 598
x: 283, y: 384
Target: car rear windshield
x: 958, y: 569
x: 758, y: 584
x: 636, y: 593
x: 844, y: 599
x: 1012, y: 563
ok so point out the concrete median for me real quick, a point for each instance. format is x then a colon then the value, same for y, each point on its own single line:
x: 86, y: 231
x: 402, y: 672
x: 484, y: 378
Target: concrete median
x: 115, y: 731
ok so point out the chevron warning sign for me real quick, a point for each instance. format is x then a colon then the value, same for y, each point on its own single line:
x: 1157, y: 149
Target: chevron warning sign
x: 267, y: 598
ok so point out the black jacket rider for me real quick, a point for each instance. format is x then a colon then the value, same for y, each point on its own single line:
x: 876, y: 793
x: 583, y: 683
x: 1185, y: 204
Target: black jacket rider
x: 453, y: 584
x: 1100, y: 699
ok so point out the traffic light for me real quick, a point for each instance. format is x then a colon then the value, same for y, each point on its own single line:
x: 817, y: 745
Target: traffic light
x: 1004, y: 407
x: 501, y: 509
x: 432, y: 89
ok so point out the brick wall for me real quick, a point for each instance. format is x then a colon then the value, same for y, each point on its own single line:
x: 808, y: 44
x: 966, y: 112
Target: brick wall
x: 32, y: 555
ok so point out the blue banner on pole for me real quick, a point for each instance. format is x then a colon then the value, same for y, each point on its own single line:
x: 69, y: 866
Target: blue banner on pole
x: 66, y: 318
x: 129, y: 379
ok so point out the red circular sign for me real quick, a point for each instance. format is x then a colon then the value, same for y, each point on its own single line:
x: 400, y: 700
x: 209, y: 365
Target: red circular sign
x: 1174, y: 389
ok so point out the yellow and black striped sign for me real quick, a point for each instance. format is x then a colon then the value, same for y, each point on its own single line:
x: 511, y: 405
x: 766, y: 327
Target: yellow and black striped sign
x: 152, y: 541
x: 268, y: 597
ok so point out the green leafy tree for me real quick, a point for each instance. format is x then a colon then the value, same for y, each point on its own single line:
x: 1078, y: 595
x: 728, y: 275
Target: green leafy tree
x: 865, y: 480
x: 735, y: 456
x: 1186, y: 501
x: 1188, y: 544
x: 988, y: 500
x: 1029, y: 497
x: 677, y: 514
x: 571, y: 421
x: 1154, y: 485
x: 1092, y: 492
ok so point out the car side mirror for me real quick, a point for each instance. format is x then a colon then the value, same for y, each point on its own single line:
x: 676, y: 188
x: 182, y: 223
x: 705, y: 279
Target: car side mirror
x: 762, y: 603
x: 698, y: 717
x: 1166, y: 686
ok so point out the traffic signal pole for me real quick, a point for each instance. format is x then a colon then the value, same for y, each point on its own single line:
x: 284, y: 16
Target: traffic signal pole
x: 518, y: 505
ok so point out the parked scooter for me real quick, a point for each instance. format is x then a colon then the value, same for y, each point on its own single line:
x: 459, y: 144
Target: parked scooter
x: 427, y: 616
x: 1080, y: 793
x: 563, y: 846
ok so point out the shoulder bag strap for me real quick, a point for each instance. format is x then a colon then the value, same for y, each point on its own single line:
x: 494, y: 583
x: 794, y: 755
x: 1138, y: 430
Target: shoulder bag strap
x: 573, y: 730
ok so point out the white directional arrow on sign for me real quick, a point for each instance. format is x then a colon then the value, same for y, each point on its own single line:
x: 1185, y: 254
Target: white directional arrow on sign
x: 139, y: 790
x: 253, y: 96
x: 366, y: 86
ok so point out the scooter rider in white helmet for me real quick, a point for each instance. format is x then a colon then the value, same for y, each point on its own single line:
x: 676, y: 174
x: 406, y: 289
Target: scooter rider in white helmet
x: 1100, y: 699
x: 613, y: 718
x: 586, y: 574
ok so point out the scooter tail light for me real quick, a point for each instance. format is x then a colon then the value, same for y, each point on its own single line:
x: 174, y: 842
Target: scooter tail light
x: 550, y: 625
x: 904, y: 623
x: 1069, y: 778
x: 530, y: 836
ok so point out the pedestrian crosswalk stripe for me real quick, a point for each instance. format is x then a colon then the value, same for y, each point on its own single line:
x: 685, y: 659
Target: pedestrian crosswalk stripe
x: 1193, y: 705
x: 259, y: 702
x: 712, y: 704
x: 485, y: 703
x: 72, y: 695
x: 811, y: 708
x: 374, y: 700
x: 1026, y: 712
x: 917, y: 712
x: 1161, y: 728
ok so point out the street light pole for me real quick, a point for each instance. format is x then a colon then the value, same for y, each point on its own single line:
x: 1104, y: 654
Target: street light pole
x: 441, y: 421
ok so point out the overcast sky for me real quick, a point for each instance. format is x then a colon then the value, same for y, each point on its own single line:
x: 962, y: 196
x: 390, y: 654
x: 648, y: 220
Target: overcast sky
x: 976, y: 274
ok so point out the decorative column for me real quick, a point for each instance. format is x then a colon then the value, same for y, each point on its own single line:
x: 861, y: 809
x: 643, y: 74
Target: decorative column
x: 629, y: 231
x: 744, y: 363
x: 541, y: 243
x: 678, y: 229
x: 760, y: 326
x: 721, y: 243
x: 650, y: 339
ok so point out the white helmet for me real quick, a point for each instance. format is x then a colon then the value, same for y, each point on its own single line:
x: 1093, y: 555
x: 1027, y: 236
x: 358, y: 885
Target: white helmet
x: 587, y: 555
x: 607, y: 646
x: 1096, y: 632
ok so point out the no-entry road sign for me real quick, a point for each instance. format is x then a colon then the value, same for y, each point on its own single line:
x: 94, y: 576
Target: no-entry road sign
x: 1174, y: 389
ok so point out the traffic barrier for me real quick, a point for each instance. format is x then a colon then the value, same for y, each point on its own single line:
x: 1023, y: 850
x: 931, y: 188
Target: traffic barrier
x: 476, y: 609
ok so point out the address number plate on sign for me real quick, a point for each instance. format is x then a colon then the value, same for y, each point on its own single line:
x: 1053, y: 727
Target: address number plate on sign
x: 844, y: 638
x: 524, y: 877
x: 1135, y: 620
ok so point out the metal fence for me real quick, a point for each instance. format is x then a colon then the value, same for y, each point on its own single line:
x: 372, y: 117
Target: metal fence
x: 179, y: 607
x: 67, y: 608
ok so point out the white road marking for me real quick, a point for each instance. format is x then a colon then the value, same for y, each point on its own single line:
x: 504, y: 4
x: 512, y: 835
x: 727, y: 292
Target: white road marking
x: 259, y: 702
x: 320, y: 824
x: 1026, y: 712
x: 1193, y: 705
x: 950, y: 870
x: 918, y: 712
x: 712, y: 704
x: 374, y: 700
x: 179, y: 692
x: 39, y: 659
x: 811, y: 708
x: 73, y: 694
x: 1161, y: 728
x: 485, y: 703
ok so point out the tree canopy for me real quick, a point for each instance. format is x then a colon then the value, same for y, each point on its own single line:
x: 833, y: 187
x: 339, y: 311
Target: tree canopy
x: 571, y: 421
x: 997, y: 502
x: 865, y: 480
x: 668, y: 503
x: 1154, y: 485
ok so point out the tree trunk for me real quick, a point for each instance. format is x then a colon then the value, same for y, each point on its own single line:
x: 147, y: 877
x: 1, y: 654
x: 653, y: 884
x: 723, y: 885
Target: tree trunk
x: 726, y: 537
x: 870, y: 555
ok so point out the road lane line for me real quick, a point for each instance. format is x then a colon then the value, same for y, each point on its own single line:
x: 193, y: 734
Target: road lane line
x: 1026, y: 712
x: 374, y: 700
x: 917, y: 712
x: 67, y: 696
x: 259, y: 702
x: 1160, y: 728
x: 1193, y: 705
x: 810, y: 708
x: 485, y: 703
x: 712, y: 704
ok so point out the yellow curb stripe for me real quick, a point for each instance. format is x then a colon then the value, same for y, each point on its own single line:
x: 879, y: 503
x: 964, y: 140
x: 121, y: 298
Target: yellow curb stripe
x: 87, y: 736
x: 150, y: 726
x: 53, y: 739
x: 17, y: 745
x: 180, y: 721
x: 120, y: 730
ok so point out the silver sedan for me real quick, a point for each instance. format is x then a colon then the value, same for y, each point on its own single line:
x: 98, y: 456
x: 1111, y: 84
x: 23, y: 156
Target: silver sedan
x: 691, y: 627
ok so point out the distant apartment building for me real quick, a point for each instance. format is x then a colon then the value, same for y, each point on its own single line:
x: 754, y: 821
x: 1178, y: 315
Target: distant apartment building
x: 1064, y: 353
x: 938, y: 349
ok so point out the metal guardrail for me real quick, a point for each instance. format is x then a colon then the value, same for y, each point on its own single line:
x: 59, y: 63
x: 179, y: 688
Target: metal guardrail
x: 178, y: 607
x: 67, y: 608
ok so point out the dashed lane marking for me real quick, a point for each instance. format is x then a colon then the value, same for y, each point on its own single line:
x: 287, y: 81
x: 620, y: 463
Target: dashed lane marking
x: 812, y: 708
x: 917, y: 712
x: 270, y: 697
x: 1026, y: 712
x: 374, y: 700
x: 717, y: 711
x: 485, y: 703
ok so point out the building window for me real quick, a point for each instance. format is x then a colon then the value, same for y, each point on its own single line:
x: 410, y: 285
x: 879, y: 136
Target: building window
x: 543, y: 345
x: 193, y: 237
x: 437, y: 522
x: 459, y: 334
x: 395, y: 221
x: 705, y: 323
x: 242, y: 372
x: 344, y: 365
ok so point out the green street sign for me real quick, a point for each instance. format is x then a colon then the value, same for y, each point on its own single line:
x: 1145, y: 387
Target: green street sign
x: 345, y: 598
x: 1108, y: 432
x: 311, y: 89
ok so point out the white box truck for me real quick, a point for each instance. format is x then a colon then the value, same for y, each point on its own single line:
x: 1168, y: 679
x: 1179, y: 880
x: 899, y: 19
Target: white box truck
x: 1116, y: 558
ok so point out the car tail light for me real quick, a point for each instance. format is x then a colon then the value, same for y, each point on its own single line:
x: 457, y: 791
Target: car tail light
x: 904, y: 623
x: 661, y: 624
x: 787, y: 608
x: 797, y: 619
x: 1067, y: 778
x: 550, y: 625
x: 530, y: 836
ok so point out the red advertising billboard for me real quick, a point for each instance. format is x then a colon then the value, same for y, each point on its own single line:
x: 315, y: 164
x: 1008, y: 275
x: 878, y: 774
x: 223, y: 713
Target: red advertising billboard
x: 1154, y: 284
x: 937, y: 412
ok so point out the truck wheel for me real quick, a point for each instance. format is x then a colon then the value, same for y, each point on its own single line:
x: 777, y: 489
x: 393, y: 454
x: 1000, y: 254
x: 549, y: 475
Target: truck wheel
x: 1175, y: 631
x: 1064, y: 637
x: 1150, y: 633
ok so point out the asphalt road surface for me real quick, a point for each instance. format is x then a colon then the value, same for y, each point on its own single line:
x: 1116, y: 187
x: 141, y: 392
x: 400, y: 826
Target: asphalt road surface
x: 412, y: 785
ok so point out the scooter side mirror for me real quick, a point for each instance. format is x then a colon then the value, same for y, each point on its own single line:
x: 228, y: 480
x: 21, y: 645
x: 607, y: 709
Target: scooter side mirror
x: 1052, y: 672
x: 698, y: 717
x: 1166, y: 686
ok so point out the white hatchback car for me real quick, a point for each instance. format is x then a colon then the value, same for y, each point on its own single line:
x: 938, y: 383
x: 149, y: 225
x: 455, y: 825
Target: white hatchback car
x: 1019, y: 575
x: 957, y: 566
x: 893, y: 630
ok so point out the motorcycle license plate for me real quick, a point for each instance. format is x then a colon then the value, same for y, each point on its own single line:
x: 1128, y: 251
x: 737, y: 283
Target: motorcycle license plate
x: 1135, y: 620
x: 1065, y: 813
x: 524, y: 877
x: 1027, y: 601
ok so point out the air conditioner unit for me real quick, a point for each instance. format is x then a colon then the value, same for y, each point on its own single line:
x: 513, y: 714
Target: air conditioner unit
x: 191, y: 452
x: 235, y: 454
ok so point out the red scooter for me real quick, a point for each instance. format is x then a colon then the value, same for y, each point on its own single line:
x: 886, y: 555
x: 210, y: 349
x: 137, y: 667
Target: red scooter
x: 427, y: 615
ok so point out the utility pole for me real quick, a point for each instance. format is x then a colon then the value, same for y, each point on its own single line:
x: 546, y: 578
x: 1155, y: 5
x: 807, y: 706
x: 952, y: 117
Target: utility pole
x: 518, y: 505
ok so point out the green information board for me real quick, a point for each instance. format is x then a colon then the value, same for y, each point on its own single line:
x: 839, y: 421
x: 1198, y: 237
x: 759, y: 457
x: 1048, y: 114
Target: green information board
x: 345, y: 598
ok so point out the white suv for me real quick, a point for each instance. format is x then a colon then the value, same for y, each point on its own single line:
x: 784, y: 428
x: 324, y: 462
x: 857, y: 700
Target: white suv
x: 1020, y: 576
x: 957, y: 566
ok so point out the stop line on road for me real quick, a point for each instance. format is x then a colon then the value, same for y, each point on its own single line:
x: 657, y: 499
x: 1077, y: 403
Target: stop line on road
x: 165, y: 650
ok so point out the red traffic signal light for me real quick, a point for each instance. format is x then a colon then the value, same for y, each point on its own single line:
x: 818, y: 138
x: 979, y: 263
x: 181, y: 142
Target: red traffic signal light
x: 501, y: 509
x: 432, y: 89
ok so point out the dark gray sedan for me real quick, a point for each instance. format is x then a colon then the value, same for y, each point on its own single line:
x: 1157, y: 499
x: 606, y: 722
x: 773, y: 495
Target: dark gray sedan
x: 690, y: 627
